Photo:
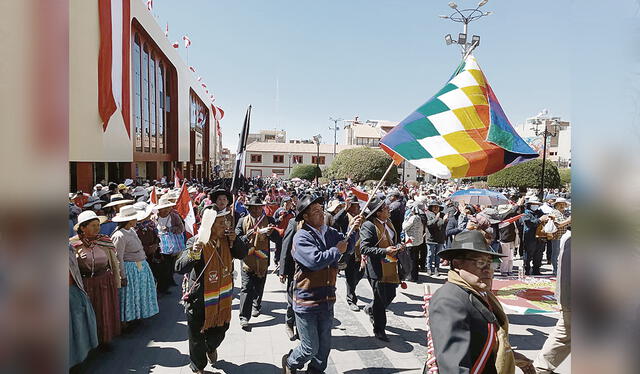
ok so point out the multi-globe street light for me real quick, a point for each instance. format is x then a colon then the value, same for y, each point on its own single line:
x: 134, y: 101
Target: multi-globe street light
x: 465, y: 16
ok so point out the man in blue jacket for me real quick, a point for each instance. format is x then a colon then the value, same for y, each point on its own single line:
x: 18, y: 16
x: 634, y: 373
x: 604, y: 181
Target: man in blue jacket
x: 533, y: 247
x: 316, y: 250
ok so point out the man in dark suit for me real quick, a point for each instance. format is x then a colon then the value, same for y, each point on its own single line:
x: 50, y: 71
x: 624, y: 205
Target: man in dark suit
x: 470, y: 331
x: 378, y: 241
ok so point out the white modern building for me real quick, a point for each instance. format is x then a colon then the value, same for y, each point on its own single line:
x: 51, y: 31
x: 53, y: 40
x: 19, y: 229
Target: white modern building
x: 268, y: 136
x: 266, y: 159
x: 558, y: 144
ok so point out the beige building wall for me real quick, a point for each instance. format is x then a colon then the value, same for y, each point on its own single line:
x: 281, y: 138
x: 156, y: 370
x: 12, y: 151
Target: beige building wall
x: 87, y: 141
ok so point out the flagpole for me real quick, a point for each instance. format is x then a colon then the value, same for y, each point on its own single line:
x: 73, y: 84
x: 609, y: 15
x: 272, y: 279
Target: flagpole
x: 372, y: 194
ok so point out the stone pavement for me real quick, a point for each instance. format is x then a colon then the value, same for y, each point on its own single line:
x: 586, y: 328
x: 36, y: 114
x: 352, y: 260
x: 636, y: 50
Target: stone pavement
x: 160, y: 346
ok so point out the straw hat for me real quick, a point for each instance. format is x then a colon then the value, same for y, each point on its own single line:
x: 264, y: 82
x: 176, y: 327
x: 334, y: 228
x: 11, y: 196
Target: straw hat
x: 87, y: 216
x: 128, y: 213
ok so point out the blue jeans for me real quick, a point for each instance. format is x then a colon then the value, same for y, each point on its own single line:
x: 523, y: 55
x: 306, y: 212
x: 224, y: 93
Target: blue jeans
x: 433, y: 260
x: 555, y: 251
x: 314, y: 330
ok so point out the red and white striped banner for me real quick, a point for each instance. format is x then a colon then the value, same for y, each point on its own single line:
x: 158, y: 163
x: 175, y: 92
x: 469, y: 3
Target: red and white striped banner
x: 150, y: 5
x: 113, y: 60
x: 187, y: 41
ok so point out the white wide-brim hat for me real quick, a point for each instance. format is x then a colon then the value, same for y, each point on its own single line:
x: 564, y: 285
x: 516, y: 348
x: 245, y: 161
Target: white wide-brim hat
x: 128, y: 213
x: 164, y: 203
x: 88, y: 215
x: 144, y: 208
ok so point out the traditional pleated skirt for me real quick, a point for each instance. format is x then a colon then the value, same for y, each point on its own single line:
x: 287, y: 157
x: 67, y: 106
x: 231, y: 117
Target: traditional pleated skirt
x: 139, y: 298
x: 103, y: 293
x: 83, y: 330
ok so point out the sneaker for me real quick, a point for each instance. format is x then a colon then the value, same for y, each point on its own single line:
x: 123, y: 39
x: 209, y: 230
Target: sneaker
x: 285, y: 368
x: 255, y: 312
x: 290, y: 333
x: 354, y: 307
x: 213, y: 357
x: 244, y: 324
x: 429, y: 272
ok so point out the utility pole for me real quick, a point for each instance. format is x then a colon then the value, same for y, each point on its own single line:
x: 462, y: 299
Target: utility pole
x: 465, y: 16
x: 335, y: 129
x: 545, y: 134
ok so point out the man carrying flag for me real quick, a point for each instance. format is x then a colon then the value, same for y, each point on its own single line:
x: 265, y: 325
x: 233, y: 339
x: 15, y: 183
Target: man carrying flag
x: 255, y: 229
x: 379, y: 242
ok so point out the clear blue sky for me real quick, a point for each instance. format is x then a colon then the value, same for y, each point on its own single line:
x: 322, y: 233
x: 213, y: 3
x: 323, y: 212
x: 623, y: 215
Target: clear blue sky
x: 373, y: 59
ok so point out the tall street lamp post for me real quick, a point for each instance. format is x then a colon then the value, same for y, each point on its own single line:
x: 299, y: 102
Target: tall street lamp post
x: 545, y: 134
x: 335, y: 129
x: 317, y: 139
x: 465, y: 16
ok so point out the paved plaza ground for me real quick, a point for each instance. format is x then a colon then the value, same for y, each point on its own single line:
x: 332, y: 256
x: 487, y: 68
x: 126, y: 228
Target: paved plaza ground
x: 160, y: 346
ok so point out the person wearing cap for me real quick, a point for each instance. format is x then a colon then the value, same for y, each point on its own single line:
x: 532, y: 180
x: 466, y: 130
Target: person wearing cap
x: 255, y: 229
x: 533, y: 246
x: 138, y: 298
x: 168, y: 221
x: 562, y: 223
x: 379, y: 242
x: 469, y: 328
x: 209, y: 289
x: 316, y: 250
x: 100, y: 271
x: 436, y: 224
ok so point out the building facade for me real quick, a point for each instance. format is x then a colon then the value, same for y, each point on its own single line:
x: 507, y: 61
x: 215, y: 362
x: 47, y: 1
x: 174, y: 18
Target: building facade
x: 266, y: 159
x: 162, y: 117
x: 559, y: 141
x: 268, y: 136
x: 228, y: 163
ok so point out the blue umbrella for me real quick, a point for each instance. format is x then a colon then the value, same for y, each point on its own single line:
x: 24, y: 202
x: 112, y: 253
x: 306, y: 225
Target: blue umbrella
x: 479, y: 196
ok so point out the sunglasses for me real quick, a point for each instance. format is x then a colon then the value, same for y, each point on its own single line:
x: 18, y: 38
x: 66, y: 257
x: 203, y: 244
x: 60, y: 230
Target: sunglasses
x: 483, y: 264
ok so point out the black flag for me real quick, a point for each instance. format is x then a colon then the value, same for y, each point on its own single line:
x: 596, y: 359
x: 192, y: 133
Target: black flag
x: 242, y: 145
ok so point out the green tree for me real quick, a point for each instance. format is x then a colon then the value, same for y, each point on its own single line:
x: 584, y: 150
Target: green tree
x: 526, y: 175
x: 565, y: 176
x: 361, y: 164
x: 307, y: 172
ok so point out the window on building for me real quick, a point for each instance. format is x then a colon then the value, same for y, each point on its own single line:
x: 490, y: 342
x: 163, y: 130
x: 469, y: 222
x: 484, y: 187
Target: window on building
x: 161, y: 113
x: 137, y: 94
x: 278, y: 159
x: 145, y: 99
x: 151, y: 73
x: 256, y: 159
x: 316, y: 160
x: 152, y: 103
x: 296, y: 159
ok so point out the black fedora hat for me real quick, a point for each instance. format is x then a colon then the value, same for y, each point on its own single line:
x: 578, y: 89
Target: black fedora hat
x: 214, y: 195
x: 255, y: 200
x: 468, y: 242
x: 374, y: 205
x: 305, y: 202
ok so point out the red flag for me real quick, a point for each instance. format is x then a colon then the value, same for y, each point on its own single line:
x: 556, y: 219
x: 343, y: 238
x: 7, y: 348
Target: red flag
x: 154, y: 196
x: 361, y: 195
x: 175, y: 45
x: 192, y: 69
x: 184, y: 207
x: 113, y: 60
x: 187, y: 41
